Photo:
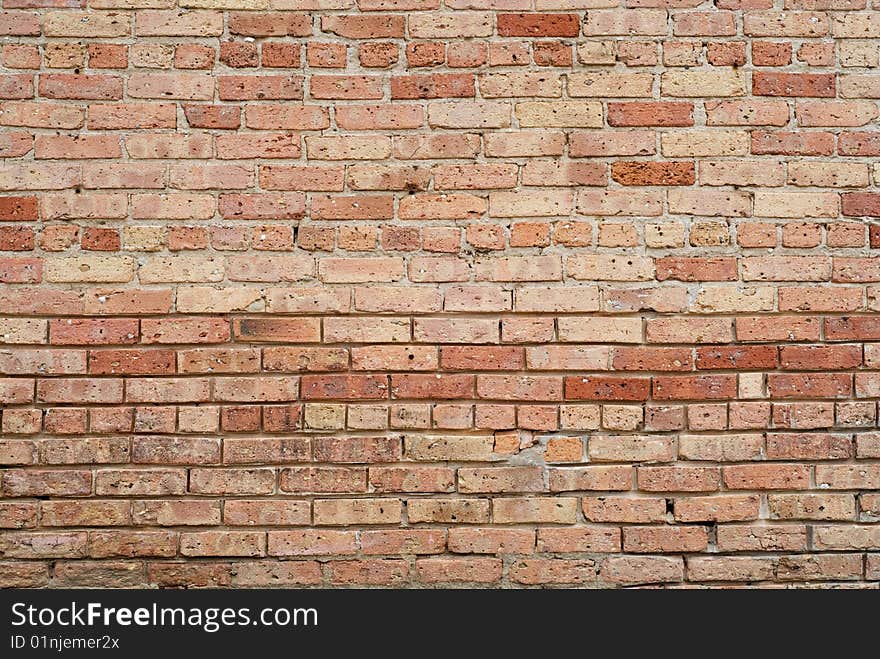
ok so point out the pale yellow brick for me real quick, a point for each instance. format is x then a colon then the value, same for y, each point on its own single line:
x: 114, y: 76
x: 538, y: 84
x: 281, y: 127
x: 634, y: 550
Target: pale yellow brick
x: 828, y: 174
x: 224, y: 4
x: 795, y: 204
x: 218, y: 299
x: 453, y: 25
x: 705, y: 143
x: 559, y: 114
x: 181, y: 268
x: 23, y: 330
x: 598, y: 329
x: 610, y: 267
x: 89, y: 269
x: 469, y: 114
x: 604, y: 84
x: 664, y: 234
x: 733, y: 299
x: 73, y: 24
x: 320, y: 416
x: 143, y: 238
x: 709, y: 202
x: 531, y: 203
x: 764, y: 173
x: 520, y: 83
x: 708, y: 82
x: 751, y: 385
x: 596, y: 52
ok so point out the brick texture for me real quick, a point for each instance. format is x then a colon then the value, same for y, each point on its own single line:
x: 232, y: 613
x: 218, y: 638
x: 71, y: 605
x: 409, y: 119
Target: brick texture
x: 400, y: 293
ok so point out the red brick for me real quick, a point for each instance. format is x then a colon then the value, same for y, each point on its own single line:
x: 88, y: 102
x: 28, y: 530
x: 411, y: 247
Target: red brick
x: 820, y: 358
x: 132, y: 362
x: 538, y: 25
x: 212, y: 116
x: 653, y: 173
x: 696, y: 269
x: 663, y: 539
x: 603, y: 387
x: 18, y: 208
x: 813, y: 385
x: 432, y: 386
x: 696, y: 387
x: 644, y: 113
x: 860, y: 204
x: 270, y: 24
x: 766, y: 477
x: 364, y: 27
x: 438, y: 85
x: 737, y: 357
x: 791, y: 144
x: 793, y: 84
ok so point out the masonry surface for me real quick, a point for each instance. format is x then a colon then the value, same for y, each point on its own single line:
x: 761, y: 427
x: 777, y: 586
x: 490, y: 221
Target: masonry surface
x: 498, y: 293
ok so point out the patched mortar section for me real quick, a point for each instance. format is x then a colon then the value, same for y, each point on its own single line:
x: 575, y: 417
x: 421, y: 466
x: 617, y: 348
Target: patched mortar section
x: 530, y: 449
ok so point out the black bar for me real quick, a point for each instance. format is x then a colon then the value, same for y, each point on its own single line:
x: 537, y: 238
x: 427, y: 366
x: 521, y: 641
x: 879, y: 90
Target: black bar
x: 446, y: 623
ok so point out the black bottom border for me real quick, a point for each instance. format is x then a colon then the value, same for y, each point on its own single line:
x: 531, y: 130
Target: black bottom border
x: 456, y: 623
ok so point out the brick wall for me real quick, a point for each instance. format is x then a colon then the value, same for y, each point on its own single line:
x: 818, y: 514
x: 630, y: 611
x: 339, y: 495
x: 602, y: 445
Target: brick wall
x: 384, y: 292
